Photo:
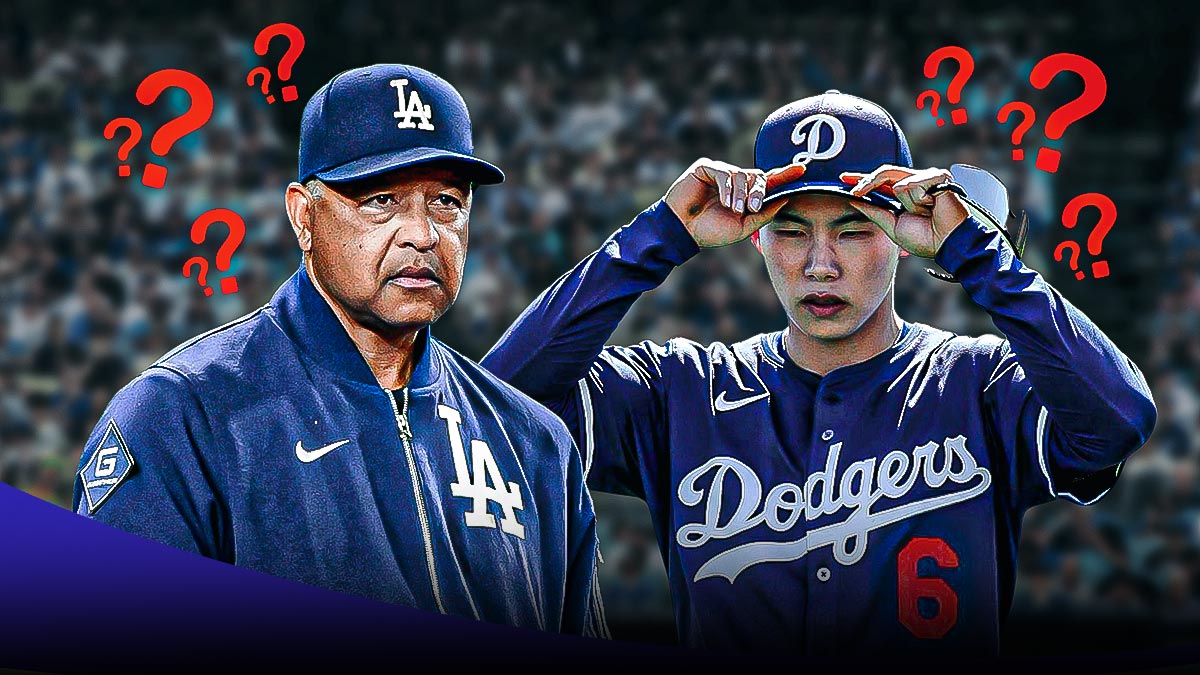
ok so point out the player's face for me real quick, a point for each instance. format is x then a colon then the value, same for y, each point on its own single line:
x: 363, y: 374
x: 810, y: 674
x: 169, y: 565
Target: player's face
x: 390, y: 249
x: 831, y: 267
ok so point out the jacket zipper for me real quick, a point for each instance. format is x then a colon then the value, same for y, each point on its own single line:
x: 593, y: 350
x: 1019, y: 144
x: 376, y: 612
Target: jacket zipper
x: 406, y: 438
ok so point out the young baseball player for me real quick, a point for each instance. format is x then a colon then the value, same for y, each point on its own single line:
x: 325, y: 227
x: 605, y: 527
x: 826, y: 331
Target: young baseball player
x: 328, y: 437
x: 853, y: 482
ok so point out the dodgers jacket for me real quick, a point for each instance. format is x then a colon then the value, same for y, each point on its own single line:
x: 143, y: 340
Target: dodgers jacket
x: 269, y: 444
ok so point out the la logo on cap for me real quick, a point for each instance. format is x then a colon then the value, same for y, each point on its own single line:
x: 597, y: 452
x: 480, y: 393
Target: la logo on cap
x: 415, y: 109
x: 807, y: 132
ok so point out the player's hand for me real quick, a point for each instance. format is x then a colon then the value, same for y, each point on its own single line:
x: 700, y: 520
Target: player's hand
x: 926, y: 220
x: 722, y: 204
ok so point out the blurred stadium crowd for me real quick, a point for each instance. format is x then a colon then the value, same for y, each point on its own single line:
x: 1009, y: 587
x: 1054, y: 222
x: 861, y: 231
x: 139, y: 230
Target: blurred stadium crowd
x: 591, y: 124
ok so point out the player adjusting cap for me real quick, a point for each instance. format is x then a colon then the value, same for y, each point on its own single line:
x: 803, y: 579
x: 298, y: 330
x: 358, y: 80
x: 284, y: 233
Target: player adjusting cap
x: 371, y: 120
x: 830, y: 133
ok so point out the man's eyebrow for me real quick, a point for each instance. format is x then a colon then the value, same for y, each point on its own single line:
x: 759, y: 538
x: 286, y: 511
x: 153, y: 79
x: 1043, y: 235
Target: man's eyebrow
x: 848, y: 218
x: 789, y: 217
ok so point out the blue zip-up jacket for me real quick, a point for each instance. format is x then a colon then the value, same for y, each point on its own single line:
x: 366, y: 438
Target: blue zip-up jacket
x: 269, y: 444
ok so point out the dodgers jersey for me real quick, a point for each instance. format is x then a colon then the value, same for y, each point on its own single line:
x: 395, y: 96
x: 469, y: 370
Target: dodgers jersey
x: 875, y: 509
x: 269, y: 444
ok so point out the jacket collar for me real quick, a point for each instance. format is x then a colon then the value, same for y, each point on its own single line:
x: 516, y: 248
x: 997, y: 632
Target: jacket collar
x: 307, y: 319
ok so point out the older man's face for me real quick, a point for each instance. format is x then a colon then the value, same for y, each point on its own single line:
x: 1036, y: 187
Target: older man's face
x: 390, y: 249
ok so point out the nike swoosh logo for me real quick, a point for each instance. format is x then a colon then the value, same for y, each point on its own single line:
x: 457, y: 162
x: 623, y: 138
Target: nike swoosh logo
x: 723, y: 405
x: 307, y: 456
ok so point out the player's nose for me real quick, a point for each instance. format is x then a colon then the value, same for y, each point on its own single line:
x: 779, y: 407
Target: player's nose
x: 821, y: 263
x: 415, y: 227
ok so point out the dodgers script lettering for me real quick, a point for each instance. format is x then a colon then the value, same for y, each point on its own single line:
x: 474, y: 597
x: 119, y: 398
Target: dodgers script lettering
x: 825, y: 492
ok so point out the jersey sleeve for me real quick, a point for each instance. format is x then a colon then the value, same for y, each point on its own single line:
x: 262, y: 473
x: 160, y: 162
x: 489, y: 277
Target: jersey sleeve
x: 142, y: 469
x: 1066, y: 404
x: 583, y: 608
x: 611, y: 398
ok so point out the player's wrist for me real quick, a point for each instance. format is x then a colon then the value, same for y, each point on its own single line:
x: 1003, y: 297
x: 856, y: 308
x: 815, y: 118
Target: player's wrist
x: 659, y: 226
x: 947, y: 220
x: 965, y: 238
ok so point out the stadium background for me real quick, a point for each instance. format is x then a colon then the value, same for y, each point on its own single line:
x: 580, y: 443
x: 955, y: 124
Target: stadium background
x: 592, y: 110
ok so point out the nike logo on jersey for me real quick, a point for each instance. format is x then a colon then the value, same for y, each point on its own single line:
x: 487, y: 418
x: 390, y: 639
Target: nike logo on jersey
x: 824, y: 493
x: 724, y: 405
x: 307, y: 456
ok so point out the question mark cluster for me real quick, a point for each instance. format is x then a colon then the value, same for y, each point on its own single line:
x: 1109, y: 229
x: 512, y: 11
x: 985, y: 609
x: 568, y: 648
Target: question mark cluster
x: 199, y: 112
x: 151, y: 88
x: 966, y: 66
x: 295, y: 40
x: 1095, y: 90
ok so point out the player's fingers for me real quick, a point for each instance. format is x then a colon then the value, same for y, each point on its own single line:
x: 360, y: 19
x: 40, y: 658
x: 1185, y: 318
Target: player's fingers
x: 911, y: 199
x: 755, y: 221
x: 706, y: 171
x: 880, y: 180
x: 756, y: 192
x: 718, y: 178
x: 886, y: 220
x: 918, y: 187
x: 876, y: 214
x: 784, y: 175
x: 740, y: 184
x: 852, y: 178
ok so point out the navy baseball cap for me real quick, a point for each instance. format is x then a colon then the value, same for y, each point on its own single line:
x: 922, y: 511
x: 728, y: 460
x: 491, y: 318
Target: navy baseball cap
x: 371, y: 120
x: 830, y: 134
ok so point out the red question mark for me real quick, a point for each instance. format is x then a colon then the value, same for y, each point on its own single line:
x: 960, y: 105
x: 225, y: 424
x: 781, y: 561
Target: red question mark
x: 1108, y: 218
x: 1029, y: 116
x: 1058, y: 255
x: 966, y: 66
x: 197, y: 115
x: 933, y: 97
x: 237, y: 232
x: 202, y: 277
x: 295, y: 47
x: 1095, y: 89
x: 266, y: 81
x: 135, y: 135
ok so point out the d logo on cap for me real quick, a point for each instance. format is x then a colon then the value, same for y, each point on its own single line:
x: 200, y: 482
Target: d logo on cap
x: 808, y: 130
x: 830, y: 134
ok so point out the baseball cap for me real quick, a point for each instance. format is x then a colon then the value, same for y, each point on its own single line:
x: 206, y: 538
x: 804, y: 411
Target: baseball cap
x: 830, y: 133
x: 371, y: 120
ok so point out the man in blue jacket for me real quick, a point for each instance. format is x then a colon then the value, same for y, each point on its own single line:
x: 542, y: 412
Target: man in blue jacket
x: 852, y: 482
x: 328, y: 437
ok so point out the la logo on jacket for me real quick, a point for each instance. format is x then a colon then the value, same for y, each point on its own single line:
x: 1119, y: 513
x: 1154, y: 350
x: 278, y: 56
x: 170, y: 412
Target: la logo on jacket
x: 474, y: 484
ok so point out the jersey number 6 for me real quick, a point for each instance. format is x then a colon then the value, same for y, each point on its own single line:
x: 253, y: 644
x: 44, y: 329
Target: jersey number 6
x: 912, y: 588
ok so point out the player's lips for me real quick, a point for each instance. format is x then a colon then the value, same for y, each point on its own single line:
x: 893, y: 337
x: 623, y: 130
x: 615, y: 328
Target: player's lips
x: 415, y: 276
x: 823, y: 305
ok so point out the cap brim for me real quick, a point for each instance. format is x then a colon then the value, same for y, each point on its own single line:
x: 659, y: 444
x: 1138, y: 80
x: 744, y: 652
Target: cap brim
x: 473, y: 168
x: 827, y: 187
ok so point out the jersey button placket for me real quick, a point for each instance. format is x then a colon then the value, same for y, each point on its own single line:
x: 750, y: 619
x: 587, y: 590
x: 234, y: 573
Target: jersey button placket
x: 823, y: 594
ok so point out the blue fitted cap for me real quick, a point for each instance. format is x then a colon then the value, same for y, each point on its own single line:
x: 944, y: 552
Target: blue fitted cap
x: 830, y: 134
x: 371, y: 120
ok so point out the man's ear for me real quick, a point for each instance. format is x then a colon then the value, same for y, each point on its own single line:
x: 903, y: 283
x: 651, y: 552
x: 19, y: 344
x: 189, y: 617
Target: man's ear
x: 299, y: 203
